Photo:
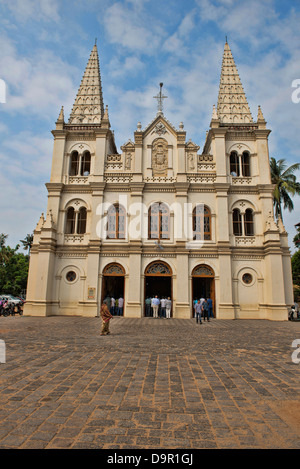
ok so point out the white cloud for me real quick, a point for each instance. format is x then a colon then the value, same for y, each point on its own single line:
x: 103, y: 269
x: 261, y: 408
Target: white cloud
x: 39, y: 84
x: 41, y: 10
x: 129, y: 28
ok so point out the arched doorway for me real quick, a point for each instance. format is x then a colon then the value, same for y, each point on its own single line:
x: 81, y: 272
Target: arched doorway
x: 113, y: 284
x: 158, y: 281
x: 203, y: 284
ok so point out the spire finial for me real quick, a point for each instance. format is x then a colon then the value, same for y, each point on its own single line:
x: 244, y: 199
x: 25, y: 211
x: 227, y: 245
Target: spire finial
x: 160, y: 97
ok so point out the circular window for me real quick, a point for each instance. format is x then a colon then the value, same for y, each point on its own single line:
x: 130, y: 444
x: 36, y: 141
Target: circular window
x: 71, y: 276
x: 247, y: 279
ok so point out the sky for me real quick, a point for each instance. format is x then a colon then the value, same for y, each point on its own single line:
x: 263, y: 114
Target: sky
x: 45, y: 46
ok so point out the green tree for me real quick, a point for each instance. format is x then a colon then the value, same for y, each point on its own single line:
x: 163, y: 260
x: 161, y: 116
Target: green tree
x: 286, y: 185
x: 13, y: 268
x: 27, y: 243
x: 296, y: 238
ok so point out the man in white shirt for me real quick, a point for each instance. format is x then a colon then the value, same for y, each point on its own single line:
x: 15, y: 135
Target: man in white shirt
x: 112, y: 305
x: 120, y: 306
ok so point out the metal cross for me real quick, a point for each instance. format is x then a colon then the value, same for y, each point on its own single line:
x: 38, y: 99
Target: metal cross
x: 160, y: 97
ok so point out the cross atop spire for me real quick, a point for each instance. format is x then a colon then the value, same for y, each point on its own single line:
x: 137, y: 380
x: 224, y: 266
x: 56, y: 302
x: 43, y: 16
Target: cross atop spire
x: 232, y: 102
x: 88, y: 106
x: 160, y: 97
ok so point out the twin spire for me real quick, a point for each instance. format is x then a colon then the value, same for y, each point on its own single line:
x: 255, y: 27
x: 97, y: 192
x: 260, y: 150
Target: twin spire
x: 88, y: 107
x: 232, y: 108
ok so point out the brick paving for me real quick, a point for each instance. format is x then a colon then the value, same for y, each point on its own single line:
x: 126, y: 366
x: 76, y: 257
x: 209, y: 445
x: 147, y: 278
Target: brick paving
x: 152, y: 383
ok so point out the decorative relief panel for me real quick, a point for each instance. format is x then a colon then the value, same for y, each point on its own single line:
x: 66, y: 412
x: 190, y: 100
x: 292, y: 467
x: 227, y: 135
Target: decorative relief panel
x: 114, y: 162
x: 117, y: 177
x: 244, y: 240
x: 71, y: 239
x: 202, y: 178
x: 160, y: 157
x: 78, y: 179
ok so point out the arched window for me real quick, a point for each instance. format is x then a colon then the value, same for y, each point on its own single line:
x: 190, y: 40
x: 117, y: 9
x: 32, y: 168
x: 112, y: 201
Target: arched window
x: 248, y: 223
x: 246, y: 164
x: 158, y: 221
x: 234, y: 164
x: 81, y: 221
x: 116, y: 222
x: 70, y: 223
x: 201, y: 222
x: 237, y: 222
x: 74, y: 163
x: 86, y: 164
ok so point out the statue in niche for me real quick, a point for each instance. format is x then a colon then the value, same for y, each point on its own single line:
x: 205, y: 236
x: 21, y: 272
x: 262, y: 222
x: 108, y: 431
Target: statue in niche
x: 160, y: 157
x: 128, y: 161
x: 191, y: 161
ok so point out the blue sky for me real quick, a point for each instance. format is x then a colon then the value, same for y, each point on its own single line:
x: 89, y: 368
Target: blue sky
x: 45, y: 46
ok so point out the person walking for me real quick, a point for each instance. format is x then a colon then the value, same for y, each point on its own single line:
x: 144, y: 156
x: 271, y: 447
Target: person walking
x: 210, y: 308
x: 168, y: 308
x: 106, y: 317
x: 198, y: 312
x: 155, y: 303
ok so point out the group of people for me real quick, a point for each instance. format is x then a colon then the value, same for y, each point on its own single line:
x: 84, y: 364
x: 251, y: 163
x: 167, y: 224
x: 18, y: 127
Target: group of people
x: 115, y: 306
x: 203, y: 308
x: 158, y: 307
x: 8, y: 308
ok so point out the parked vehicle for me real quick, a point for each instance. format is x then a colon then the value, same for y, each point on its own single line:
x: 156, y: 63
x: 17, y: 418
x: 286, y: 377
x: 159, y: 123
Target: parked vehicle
x: 11, y: 299
x: 10, y: 305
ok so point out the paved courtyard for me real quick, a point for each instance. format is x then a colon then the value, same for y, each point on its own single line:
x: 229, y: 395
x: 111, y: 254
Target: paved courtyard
x: 152, y: 383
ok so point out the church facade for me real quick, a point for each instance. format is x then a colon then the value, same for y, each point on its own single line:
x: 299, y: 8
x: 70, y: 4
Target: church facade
x: 160, y: 217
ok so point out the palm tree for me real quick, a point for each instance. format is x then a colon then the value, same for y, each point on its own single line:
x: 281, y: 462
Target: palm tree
x: 286, y: 184
x: 27, y: 243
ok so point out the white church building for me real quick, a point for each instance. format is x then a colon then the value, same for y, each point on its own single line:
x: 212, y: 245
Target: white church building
x: 160, y: 217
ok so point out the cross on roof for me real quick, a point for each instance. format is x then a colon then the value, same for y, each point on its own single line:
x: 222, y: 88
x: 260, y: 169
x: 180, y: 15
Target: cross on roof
x: 160, y: 97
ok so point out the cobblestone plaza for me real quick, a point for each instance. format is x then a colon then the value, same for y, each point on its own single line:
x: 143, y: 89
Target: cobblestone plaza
x: 152, y: 383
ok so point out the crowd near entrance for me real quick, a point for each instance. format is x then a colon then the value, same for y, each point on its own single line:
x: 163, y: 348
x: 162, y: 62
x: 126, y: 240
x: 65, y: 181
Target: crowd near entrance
x: 158, y: 283
x: 203, y: 284
x: 113, y: 288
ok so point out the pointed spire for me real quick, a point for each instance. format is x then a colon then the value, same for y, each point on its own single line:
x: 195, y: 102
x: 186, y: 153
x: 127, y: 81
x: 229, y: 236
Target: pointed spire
x: 232, y: 102
x: 61, y: 120
x: 260, y: 119
x: 88, y: 107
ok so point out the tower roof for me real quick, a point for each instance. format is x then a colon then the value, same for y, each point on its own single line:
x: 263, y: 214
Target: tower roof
x: 88, y: 106
x: 232, y: 102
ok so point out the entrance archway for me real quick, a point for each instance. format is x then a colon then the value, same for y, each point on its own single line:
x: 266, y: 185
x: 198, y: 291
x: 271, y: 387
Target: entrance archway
x: 113, y: 283
x: 203, y: 284
x: 158, y: 281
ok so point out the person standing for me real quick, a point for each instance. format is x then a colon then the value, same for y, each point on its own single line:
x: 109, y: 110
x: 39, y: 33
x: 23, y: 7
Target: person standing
x: 168, y: 308
x: 120, y: 306
x: 205, y: 310
x: 112, y: 305
x: 106, y: 317
x: 155, y: 303
x: 198, y: 311
x: 148, y: 306
x: 210, y: 308
x: 163, y: 307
